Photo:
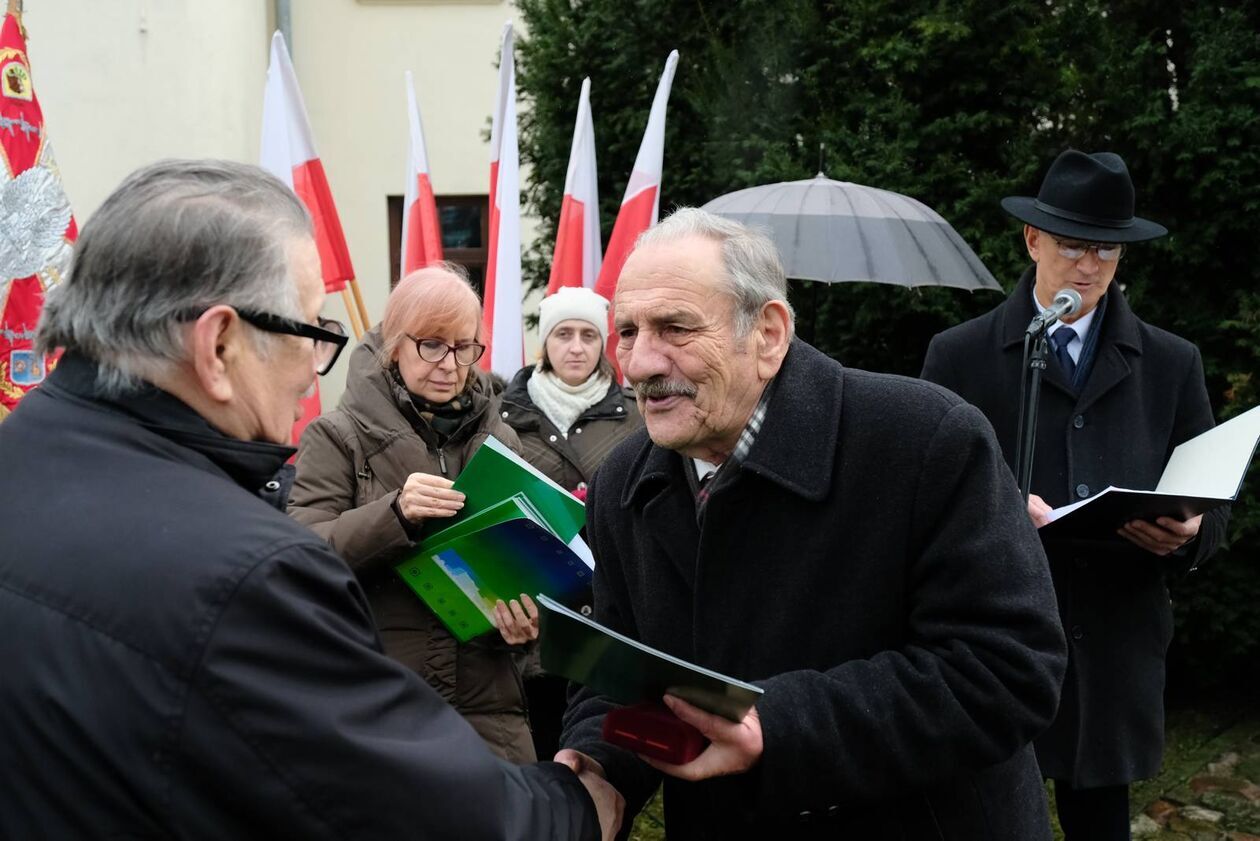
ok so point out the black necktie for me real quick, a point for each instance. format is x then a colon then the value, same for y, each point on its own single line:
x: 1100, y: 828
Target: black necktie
x: 1059, y: 340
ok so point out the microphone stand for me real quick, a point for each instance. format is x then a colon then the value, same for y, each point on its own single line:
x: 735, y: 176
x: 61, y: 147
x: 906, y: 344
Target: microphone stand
x: 1030, y: 394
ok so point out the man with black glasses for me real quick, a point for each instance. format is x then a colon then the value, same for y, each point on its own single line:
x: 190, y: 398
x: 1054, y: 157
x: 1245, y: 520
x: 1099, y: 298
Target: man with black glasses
x: 1117, y: 396
x: 180, y: 658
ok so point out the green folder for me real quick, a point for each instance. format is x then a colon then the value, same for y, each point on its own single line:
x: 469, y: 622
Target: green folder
x: 495, y: 473
x: 629, y: 672
x: 517, y: 533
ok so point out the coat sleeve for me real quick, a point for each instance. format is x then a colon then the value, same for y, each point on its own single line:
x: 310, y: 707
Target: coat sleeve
x: 584, y: 718
x: 296, y: 718
x: 1194, y: 417
x: 324, y: 496
x: 983, y: 658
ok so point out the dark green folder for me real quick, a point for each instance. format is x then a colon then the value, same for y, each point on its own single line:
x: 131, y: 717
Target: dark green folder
x: 495, y: 473
x: 629, y: 672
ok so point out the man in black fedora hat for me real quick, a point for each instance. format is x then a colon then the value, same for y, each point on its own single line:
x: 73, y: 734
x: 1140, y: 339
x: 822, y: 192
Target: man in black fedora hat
x: 1117, y: 396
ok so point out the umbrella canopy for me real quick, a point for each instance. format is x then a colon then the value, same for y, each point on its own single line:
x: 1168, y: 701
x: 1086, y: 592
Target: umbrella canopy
x: 835, y: 231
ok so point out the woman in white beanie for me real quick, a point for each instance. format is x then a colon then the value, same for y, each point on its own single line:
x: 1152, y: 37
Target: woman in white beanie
x: 568, y: 410
x: 569, y: 413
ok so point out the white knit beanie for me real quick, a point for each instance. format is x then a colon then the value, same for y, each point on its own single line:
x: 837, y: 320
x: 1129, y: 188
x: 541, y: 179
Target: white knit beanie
x: 573, y: 302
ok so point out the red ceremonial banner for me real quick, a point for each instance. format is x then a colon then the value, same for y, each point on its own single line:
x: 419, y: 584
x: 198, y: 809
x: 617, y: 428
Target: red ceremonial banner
x: 36, y: 225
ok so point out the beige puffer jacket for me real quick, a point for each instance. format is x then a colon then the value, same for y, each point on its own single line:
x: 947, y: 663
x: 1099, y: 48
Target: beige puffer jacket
x: 351, y: 464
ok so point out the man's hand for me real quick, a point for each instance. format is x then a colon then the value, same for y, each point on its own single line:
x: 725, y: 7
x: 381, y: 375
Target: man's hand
x: 733, y: 748
x: 1163, y: 536
x: 517, y: 623
x: 1038, y: 511
x: 425, y: 495
x: 609, y: 803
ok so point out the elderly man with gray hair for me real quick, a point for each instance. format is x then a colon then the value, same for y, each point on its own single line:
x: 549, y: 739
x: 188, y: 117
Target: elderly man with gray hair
x: 179, y: 658
x: 851, y: 542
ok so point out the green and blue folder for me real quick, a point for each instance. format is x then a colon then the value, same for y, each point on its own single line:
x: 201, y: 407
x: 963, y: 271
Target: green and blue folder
x: 518, y: 532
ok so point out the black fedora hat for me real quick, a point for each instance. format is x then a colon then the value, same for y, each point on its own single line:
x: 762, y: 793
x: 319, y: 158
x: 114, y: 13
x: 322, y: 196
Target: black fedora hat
x: 1086, y: 197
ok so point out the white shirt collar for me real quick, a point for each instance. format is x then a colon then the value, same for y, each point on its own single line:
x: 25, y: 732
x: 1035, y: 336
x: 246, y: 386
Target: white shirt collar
x: 1080, y: 327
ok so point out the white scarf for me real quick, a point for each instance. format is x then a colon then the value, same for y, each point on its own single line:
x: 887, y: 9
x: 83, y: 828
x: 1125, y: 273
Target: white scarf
x: 562, y: 403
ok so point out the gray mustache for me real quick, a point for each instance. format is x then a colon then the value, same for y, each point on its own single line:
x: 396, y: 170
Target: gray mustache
x: 661, y: 387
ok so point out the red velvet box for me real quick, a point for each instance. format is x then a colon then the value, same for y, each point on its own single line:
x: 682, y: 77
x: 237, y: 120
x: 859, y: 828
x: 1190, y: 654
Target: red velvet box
x: 652, y: 730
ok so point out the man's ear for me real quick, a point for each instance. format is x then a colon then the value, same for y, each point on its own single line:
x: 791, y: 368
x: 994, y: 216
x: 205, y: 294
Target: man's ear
x: 774, y: 334
x: 1032, y: 241
x: 214, y: 344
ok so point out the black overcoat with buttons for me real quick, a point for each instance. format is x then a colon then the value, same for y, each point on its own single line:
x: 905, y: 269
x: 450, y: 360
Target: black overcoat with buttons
x: 1144, y: 395
x: 871, y: 567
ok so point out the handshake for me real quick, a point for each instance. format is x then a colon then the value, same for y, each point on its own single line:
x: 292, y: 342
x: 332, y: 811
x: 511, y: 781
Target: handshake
x: 734, y: 747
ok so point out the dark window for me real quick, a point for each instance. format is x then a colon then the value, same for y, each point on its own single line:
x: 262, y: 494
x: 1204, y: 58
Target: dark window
x: 465, y: 233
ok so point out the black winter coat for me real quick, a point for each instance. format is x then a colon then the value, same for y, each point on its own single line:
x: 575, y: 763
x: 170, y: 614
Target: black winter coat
x: 871, y: 566
x: 179, y: 659
x: 1144, y: 396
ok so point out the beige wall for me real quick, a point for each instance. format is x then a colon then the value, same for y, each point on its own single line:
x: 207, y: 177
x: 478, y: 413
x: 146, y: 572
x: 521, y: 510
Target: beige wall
x: 126, y: 82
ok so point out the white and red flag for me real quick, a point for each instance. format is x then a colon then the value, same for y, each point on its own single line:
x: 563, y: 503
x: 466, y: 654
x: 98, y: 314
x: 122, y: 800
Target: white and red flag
x: 578, y: 255
x: 288, y: 152
x: 422, y: 233
x: 503, y: 331
x: 36, y: 225
x: 641, y: 205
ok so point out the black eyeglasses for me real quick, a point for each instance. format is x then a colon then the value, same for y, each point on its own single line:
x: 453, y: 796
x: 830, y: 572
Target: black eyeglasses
x: 1073, y: 250
x: 329, y: 337
x: 435, y: 350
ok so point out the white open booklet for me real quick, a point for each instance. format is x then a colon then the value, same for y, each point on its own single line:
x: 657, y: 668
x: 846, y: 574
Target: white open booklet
x: 1205, y: 472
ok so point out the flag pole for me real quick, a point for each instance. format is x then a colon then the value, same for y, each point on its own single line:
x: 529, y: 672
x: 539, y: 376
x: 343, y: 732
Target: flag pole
x: 353, y: 313
x: 358, y: 299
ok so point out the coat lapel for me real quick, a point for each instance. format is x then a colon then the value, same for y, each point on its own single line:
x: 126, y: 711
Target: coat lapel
x: 1119, y: 338
x: 1018, y: 312
x: 669, y: 509
x: 796, y: 446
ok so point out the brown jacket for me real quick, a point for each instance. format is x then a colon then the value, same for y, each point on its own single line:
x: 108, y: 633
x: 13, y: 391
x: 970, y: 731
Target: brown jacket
x: 570, y: 461
x: 351, y: 464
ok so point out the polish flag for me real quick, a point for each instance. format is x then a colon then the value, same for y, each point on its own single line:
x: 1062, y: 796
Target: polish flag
x: 422, y: 233
x: 288, y: 152
x: 502, y: 330
x: 641, y: 205
x: 577, y: 256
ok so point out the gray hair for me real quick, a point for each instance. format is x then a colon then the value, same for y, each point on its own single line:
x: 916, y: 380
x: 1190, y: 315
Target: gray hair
x: 754, y: 273
x: 174, y: 239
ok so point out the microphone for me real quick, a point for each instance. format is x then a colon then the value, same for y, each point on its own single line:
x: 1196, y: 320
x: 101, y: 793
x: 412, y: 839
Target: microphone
x: 1067, y: 302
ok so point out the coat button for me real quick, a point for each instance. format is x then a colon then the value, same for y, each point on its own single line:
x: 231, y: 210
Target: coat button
x: 552, y: 439
x: 1080, y: 563
x: 620, y: 409
x: 1082, y: 490
x: 1078, y: 632
x: 578, y: 430
x: 272, y: 486
x: 1078, y: 421
x: 505, y: 414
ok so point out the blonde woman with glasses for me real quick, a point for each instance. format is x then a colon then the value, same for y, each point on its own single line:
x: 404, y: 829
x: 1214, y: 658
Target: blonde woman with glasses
x: 373, y: 472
